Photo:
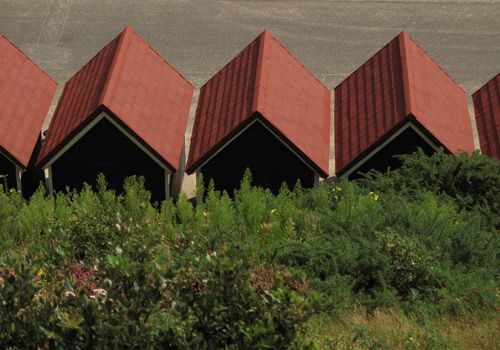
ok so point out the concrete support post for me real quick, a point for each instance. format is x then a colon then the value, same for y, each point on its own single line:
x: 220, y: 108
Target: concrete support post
x: 48, y: 180
x: 19, y: 184
x: 167, y: 185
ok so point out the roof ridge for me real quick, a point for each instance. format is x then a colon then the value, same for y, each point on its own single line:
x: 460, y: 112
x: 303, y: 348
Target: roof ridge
x: 28, y: 58
x: 406, y: 74
x: 295, y: 58
x: 116, y: 54
x: 259, y: 74
x: 434, y: 61
x: 156, y: 52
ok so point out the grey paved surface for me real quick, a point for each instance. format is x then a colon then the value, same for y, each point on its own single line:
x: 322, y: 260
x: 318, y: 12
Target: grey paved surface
x: 331, y: 38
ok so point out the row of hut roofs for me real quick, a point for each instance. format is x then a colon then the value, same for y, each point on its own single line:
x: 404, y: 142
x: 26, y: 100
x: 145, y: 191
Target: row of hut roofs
x: 125, y: 113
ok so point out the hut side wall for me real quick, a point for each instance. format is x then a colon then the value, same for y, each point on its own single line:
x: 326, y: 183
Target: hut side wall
x: 270, y: 161
x: 105, y: 149
x: 32, y: 177
x: 178, y: 176
x: 9, y: 169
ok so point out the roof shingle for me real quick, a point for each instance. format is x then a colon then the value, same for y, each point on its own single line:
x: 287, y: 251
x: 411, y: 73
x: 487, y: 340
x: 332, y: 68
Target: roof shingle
x: 399, y: 82
x: 138, y: 86
x: 487, y: 109
x: 26, y: 92
x: 264, y: 80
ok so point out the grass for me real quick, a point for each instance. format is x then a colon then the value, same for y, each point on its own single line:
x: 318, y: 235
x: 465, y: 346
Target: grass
x: 392, y: 329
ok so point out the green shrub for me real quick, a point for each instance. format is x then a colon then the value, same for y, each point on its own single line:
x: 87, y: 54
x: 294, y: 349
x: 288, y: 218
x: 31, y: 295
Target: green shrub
x: 473, y: 181
x: 215, y: 306
x: 97, y: 269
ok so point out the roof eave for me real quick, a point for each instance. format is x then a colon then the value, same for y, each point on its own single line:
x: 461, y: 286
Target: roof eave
x: 12, y: 159
x: 409, y: 119
x: 191, y: 168
x: 41, y: 163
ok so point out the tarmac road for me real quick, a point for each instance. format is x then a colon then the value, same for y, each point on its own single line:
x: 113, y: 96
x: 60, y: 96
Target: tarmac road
x: 331, y: 38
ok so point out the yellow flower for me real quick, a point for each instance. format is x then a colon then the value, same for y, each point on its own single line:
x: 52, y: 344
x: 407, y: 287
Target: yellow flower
x: 273, y: 211
x: 266, y: 226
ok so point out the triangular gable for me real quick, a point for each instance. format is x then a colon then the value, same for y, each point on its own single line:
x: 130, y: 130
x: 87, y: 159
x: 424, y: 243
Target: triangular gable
x: 398, y: 83
x: 265, y: 79
x: 133, y: 82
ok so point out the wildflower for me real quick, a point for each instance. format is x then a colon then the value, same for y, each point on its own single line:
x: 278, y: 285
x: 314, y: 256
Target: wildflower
x: 273, y: 211
x: 69, y: 294
x: 100, y: 292
x: 267, y: 226
x: 336, y: 189
x: 374, y: 196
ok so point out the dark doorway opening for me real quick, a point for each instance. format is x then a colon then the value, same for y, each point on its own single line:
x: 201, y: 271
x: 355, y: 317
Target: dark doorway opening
x: 105, y: 149
x: 269, y: 160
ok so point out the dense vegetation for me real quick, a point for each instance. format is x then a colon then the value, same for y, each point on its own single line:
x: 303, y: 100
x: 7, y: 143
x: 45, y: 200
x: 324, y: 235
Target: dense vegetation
x: 302, y: 269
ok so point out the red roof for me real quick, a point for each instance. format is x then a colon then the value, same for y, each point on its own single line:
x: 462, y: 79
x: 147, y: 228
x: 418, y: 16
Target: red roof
x: 399, y: 83
x: 487, y: 109
x: 26, y: 92
x: 136, y: 85
x: 264, y: 81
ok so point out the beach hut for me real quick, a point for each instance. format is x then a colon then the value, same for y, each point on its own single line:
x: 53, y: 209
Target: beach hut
x: 266, y: 112
x: 124, y: 113
x: 397, y: 101
x: 26, y: 93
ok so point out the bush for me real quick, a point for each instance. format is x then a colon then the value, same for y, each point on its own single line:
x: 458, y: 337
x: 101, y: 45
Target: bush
x: 96, y: 269
x: 215, y: 306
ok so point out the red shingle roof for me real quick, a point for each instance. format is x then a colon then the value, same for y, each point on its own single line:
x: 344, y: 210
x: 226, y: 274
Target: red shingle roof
x: 132, y: 81
x: 487, y: 109
x: 399, y: 82
x: 26, y: 92
x: 266, y: 81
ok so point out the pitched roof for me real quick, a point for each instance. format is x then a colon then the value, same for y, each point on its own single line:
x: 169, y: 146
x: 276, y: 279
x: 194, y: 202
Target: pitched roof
x: 26, y: 92
x: 487, y: 109
x: 400, y: 82
x: 140, y: 88
x: 264, y: 80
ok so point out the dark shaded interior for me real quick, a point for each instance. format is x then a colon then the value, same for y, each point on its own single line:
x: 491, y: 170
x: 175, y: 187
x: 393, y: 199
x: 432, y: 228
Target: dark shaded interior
x: 269, y: 160
x: 105, y: 149
x: 9, y: 169
x: 405, y: 143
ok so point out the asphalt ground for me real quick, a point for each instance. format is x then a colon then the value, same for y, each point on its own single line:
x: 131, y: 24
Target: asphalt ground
x: 198, y: 37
